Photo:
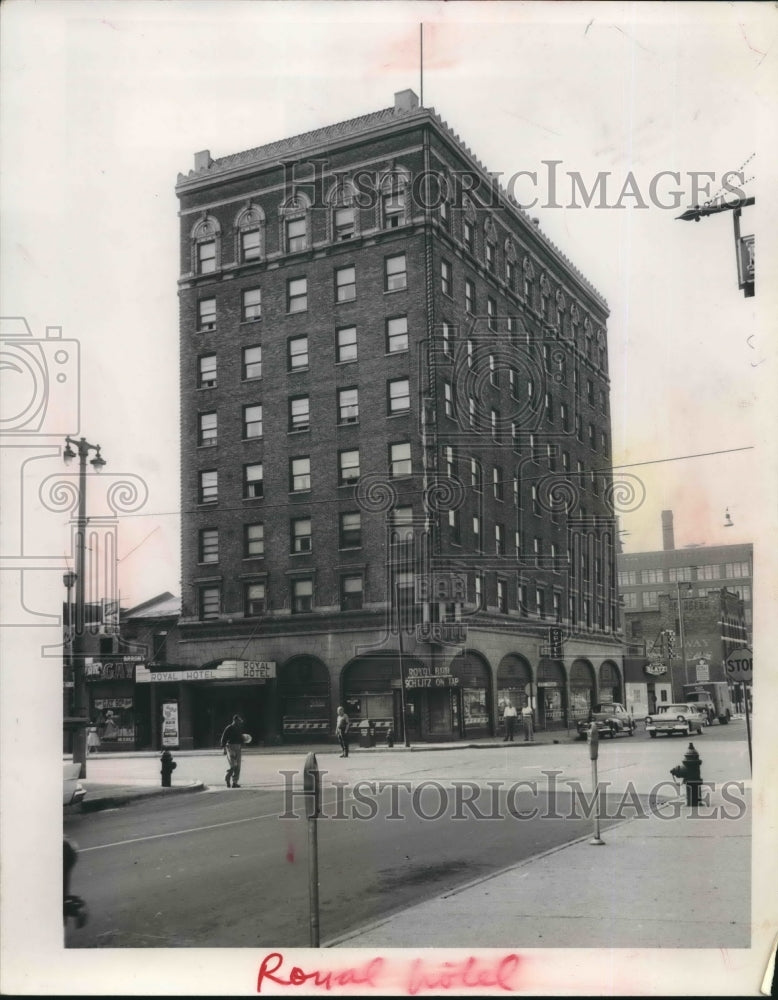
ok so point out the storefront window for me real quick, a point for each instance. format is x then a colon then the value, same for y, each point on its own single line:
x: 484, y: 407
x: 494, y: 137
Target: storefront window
x: 115, y: 720
x: 476, y: 712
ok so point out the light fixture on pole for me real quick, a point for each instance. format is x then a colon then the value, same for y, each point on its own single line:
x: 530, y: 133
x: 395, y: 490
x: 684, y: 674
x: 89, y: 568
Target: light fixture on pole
x: 728, y: 522
x: 80, y: 706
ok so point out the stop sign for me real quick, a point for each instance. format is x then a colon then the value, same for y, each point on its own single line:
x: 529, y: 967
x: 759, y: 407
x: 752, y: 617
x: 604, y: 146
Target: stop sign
x: 740, y: 664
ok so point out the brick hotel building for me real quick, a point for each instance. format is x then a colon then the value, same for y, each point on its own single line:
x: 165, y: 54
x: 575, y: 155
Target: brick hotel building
x: 394, y: 409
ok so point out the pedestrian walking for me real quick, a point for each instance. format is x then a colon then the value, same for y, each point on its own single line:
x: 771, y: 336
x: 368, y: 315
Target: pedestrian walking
x: 341, y: 727
x: 509, y: 716
x: 232, y: 744
x: 527, y: 719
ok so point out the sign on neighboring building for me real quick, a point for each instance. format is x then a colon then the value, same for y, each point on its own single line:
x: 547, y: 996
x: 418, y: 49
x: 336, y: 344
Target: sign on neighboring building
x: 228, y: 670
x: 430, y: 677
x: 170, y: 724
x: 703, y: 670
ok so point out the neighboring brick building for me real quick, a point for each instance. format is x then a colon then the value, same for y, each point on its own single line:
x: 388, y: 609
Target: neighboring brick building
x: 388, y: 397
x: 714, y: 584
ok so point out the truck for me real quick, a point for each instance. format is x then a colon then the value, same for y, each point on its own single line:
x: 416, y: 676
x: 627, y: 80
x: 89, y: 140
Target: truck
x: 714, y: 696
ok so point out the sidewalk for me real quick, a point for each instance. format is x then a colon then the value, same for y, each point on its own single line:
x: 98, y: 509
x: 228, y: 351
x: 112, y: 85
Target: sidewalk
x: 680, y: 882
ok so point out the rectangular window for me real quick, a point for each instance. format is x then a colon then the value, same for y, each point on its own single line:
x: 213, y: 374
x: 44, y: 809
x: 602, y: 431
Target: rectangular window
x: 297, y: 295
x: 627, y: 578
x: 502, y: 600
x: 253, y: 481
x: 206, y: 314
x: 590, y: 392
x: 630, y: 601
x: 250, y: 248
x: 708, y: 572
x: 499, y: 540
x: 348, y: 406
x: 208, y: 486
x: 557, y: 606
x: 652, y: 576
x: 476, y: 533
x: 395, y: 273
x: 400, y: 458
x: 207, y: 428
x: 210, y: 603
x: 399, y: 395
x: 449, y: 460
x: 348, y: 467
x: 445, y: 277
x: 681, y: 574
x: 208, y: 547
x: 448, y: 399
x: 548, y: 403
x: 345, y: 284
x: 489, y: 256
x: 650, y: 598
x: 736, y: 570
x: 252, y: 304
x: 253, y: 540
x: 397, y: 334
x: 469, y: 296
x: 350, y: 593
x: 471, y: 410
x: 254, y: 600
x: 206, y: 257
x: 535, y: 503
x: 347, y: 344
x: 510, y: 275
x: 206, y: 371
x: 497, y: 483
x: 350, y: 530
x: 494, y: 418
x: 445, y: 217
x: 252, y: 362
x: 479, y: 591
x: 447, y: 334
x: 537, y: 548
x: 468, y: 234
x: 299, y: 474
x: 301, y: 534
x: 454, y: 526
x: 491, y: 313
x: 302, y: 596
x: 295, y: 235
x: 521, y: 598
x: 343, y: 224
x: 476, y: 475
x: 393, y: 205
x: 298, y: 353
x: 299, y: 413
x: 252, y: 422
x: 540, y: 602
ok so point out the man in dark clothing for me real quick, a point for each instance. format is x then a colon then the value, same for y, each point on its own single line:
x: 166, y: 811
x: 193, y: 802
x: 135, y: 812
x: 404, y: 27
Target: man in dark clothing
x: 232, y: 744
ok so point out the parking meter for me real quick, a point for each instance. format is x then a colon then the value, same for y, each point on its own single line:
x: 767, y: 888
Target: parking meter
x: 594, y: 741
x: 312, y: 787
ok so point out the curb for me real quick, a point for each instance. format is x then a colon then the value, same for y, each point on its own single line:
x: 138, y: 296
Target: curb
x: 116, y: 799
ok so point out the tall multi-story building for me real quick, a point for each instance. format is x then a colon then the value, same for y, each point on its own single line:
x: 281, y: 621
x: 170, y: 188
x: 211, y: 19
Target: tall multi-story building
x: 395, y: 442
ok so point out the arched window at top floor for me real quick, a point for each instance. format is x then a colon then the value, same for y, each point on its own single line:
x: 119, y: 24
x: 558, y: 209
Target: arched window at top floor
x: 206, y: 245
x: 250, y: 234
x: 295, y: 219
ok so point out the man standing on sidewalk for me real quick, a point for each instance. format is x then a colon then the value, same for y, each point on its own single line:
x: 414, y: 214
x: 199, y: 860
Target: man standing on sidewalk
x: 232, y: 744
x: 529, y: 729
x: 509, y: 716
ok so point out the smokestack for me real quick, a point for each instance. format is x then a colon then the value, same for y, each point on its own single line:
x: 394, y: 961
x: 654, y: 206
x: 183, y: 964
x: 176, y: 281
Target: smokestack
x: 668, y: 538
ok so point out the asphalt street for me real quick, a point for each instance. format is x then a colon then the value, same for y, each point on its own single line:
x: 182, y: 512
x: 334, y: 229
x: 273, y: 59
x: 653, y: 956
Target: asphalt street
x: 224, y: 869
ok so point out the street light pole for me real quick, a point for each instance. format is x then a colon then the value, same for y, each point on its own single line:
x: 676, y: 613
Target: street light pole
x: 403, y: 707
x: 681, y: 633
x: 80, y: 703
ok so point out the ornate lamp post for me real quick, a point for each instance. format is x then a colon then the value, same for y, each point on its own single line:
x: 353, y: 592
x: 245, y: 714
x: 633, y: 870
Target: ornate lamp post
x: 80, y: 706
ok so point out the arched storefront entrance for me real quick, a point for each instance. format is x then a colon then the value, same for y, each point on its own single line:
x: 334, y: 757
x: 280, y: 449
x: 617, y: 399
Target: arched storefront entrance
x: 551, y: 708
x: 583, y: 690
x: 371, y: 692
x: 474, y: 704
x: 610, y: 683
x: 304, y: 699
x: 514, y: 684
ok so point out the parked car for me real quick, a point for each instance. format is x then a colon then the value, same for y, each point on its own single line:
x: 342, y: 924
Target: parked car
x: 683, y: 718
x: 610, y: 718
x: 73, y: 791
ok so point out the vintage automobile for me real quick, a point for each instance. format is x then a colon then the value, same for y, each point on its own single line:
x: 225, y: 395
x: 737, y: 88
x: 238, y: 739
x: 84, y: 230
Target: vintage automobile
x: 610, y: 718
x: 73, y: 791
x: 684, y: 718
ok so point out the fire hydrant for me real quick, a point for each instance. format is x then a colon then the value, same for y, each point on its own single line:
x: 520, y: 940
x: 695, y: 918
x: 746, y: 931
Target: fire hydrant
x: 168, y: 766
x: 689, y: 772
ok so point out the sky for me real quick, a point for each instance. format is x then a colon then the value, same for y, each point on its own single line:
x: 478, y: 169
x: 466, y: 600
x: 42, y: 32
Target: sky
x: 125, y: 93
x: 103, y: 104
